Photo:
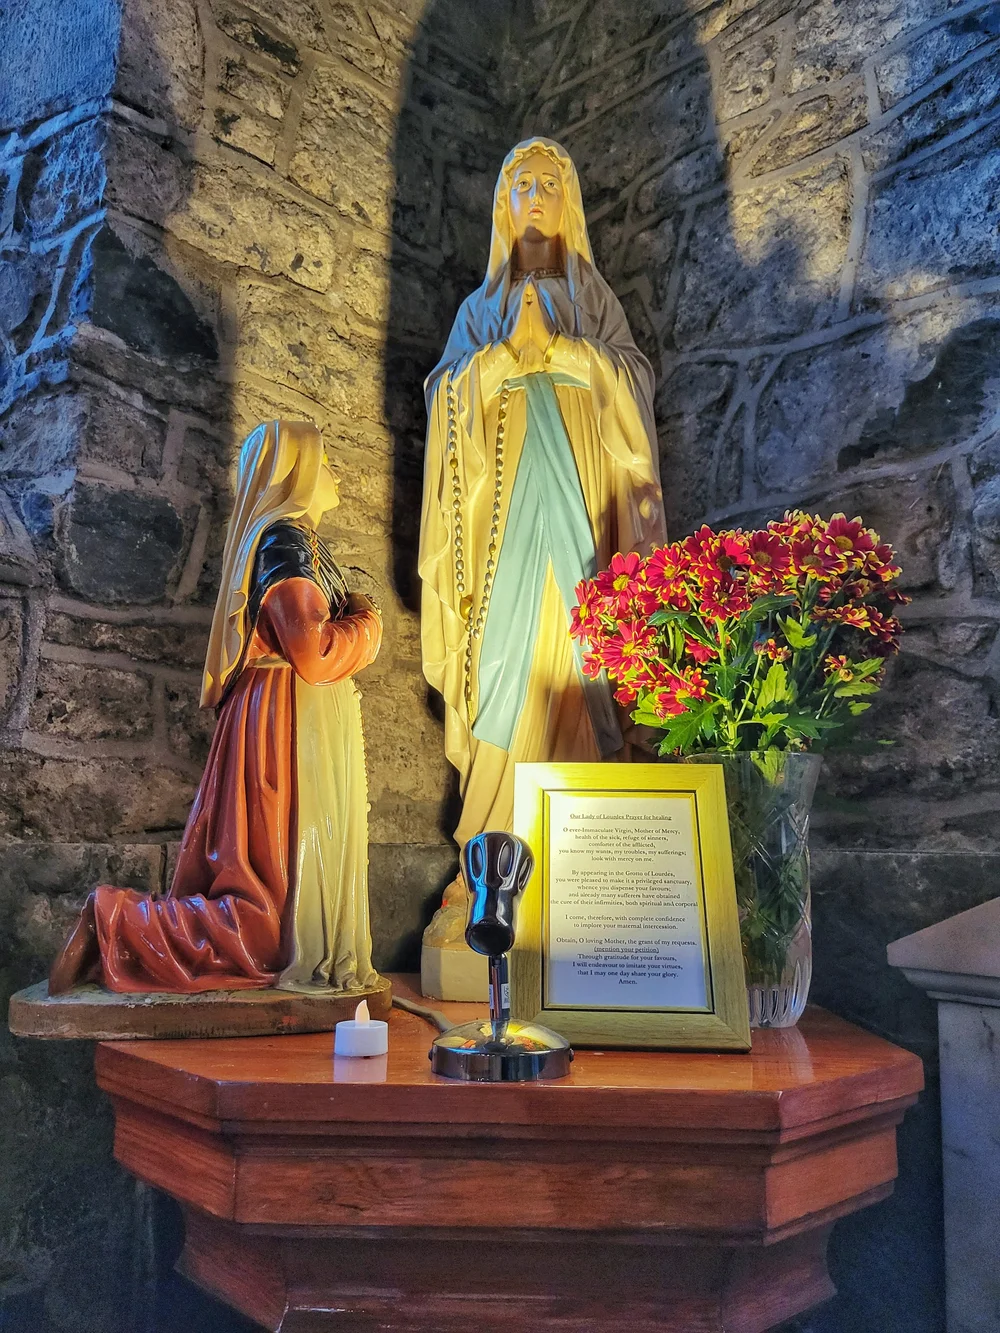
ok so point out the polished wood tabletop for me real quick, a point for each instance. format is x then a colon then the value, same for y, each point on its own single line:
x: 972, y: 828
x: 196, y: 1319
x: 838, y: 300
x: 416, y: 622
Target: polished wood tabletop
x: 792, y: 1077
x: 372, y: 1194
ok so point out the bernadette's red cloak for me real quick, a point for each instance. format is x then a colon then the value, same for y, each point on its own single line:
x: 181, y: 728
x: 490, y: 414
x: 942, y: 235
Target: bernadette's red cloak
x: 224, y: 923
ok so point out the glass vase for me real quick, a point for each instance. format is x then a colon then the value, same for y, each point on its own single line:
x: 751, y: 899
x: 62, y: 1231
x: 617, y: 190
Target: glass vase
x: 769, y: 795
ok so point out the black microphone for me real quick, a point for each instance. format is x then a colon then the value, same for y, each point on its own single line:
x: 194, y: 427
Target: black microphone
x: 496, y: 867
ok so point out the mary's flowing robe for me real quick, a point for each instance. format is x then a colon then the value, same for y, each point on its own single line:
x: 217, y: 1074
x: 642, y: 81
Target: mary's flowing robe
x: 270, y: 886
x: 572, y: 481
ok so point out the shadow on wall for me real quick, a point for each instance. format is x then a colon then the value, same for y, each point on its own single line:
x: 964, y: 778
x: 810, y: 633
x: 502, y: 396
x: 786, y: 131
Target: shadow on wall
x: 455, y: 124
x: 168, y: 345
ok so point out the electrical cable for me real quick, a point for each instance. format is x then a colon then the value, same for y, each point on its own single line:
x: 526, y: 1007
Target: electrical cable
x: 433, y: 1016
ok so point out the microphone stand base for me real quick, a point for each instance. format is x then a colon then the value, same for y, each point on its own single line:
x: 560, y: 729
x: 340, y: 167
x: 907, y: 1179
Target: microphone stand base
x: 500, y: 1051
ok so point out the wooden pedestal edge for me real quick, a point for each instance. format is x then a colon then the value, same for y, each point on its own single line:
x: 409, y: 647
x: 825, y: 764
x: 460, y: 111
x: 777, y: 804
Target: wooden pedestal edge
x: 303, y: 1287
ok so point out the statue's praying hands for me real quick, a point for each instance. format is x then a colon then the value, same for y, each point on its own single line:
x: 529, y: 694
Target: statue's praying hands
x: 532, y: 332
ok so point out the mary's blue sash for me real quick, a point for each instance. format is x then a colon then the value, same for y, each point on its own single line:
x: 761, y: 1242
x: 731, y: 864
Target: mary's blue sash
x: 547, y: 523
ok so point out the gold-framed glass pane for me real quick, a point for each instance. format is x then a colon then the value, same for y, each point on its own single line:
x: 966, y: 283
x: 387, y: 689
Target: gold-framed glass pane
x: 627, y: 932
x: 624, y: 907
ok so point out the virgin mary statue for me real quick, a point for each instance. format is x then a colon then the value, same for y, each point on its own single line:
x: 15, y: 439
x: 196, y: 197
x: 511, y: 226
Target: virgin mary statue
x: 539, y: 467
x: 271, y: 882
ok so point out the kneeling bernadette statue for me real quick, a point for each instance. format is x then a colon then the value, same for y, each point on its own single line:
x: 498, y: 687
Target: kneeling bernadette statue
x: 539, y: 467
x: 271, y: 882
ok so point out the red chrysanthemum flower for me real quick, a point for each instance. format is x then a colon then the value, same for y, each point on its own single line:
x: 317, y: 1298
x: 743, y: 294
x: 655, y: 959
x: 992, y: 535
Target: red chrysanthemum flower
x: 698, y: 542
x: 666, y: 565
x: 859, y: 589
x: 886, y: 628
x: 858, y: 617
x: 677, y: 597
x: 675, y: 694
x: 619, y: 584
x: 796, y: 523
x: 701, y: 652
x: 768, y: 558
x: 838, y: 665
x: 728, y: 552
x: 643, y: 604
x: 817, y: 559
x: 723, y: 600
x: 881, y: 563
x: 627, y: 692
x: 627, y: 648
x: 585, y: 614
x: 593, y: 664
x: 714, y: 554
x: 851, y: 538
x: 771, y: 648
x: 666, y: 704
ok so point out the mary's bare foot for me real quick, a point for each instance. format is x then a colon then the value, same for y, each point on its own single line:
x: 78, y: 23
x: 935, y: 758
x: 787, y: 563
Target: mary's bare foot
x: 76, y: 960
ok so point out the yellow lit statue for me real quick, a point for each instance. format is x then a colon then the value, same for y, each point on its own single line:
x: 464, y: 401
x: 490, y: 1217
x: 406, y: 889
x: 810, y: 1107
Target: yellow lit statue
x: 539, y: 466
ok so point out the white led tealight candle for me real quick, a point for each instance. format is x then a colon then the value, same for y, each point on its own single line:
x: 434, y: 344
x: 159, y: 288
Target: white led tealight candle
x: 361, y: 1035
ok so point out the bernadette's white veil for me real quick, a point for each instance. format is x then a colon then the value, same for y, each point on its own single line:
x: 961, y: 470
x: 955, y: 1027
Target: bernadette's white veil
x: 279, y: 468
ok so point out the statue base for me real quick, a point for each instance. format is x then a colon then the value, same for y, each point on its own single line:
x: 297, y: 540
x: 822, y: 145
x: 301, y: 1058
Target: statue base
x: 452, y: 971
x: 449, y: 969
x: 95, y: 1014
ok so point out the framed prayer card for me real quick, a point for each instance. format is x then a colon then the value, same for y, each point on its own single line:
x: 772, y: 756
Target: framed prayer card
x: 627, y: 932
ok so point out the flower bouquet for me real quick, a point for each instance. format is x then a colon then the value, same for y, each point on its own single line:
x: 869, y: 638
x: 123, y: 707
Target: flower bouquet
x: 755, y: 645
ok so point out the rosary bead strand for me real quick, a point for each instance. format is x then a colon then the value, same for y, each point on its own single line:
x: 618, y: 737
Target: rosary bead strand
x: 456, y: 490
x: 475, y: 625
x: 492, y: 547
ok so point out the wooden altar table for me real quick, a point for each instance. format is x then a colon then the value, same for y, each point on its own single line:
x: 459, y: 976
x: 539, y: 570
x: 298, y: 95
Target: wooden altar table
x: 681, y: 1193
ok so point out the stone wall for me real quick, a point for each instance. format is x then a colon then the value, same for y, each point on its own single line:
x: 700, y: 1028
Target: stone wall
x: 66, y: 1213
x: 796, y: 201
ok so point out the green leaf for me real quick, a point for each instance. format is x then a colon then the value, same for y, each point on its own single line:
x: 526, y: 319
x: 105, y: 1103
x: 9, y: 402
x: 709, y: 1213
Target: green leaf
x: 667, y: 617
x: 683, y: 729
x: 646, y: 717
x: 768, y: 763
x: 774, y: 689
x: 804, y: 724
x: 796, y: 634
x: 724, y: 680
x: 770, y: 732
x: 868, y: 667
x: 856, y: 687
x: 764, y: 606
x: 857, y: 708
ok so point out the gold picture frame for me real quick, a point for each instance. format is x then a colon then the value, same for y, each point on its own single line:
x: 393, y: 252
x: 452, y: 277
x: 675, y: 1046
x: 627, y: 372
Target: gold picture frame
x: 644, y: 826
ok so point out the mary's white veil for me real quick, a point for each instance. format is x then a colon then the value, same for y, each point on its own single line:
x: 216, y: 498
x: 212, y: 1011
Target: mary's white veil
x: 575, y: 239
